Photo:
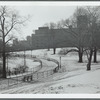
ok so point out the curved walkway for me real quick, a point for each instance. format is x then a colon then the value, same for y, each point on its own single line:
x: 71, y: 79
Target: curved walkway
x: 46, y: 71
x: 47, y: 68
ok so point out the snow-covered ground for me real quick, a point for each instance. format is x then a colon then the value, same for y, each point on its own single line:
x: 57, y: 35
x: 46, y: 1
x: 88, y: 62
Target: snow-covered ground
x: 14, y: 62
x: 75, y: 80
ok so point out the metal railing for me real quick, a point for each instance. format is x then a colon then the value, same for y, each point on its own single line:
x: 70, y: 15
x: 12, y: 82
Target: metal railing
x: 32, y: 75
x: 16, y: 73
x: 38, y: 76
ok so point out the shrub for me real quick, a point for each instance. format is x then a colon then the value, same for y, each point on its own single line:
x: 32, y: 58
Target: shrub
x: 21, y: 69
x: 63, y: 51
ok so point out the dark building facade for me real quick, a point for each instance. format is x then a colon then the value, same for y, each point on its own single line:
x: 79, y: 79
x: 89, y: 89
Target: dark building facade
x: 54, y: 38
x: 45, y: 38
x: 67, y: 37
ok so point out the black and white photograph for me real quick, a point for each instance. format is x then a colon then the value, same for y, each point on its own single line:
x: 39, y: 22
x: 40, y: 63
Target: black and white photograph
x: 49, y: 48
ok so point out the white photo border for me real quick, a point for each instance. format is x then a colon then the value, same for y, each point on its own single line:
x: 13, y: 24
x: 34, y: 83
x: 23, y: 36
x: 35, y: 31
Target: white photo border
x: 50, y: 3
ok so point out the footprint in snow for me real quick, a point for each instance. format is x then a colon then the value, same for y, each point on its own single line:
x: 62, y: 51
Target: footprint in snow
x: 71, y: 85
x: 60, y: 87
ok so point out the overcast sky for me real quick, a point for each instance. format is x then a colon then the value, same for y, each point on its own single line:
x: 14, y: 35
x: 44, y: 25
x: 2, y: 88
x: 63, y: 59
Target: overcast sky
x: 43, y: 14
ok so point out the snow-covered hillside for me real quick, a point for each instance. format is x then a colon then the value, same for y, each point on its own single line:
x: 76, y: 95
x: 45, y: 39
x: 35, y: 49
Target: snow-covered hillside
x: 75, y: 80
x: 80, y: 82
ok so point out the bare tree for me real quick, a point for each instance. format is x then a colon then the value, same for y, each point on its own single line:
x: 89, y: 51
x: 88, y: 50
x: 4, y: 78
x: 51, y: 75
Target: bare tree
x: 76, y: 29
x: 51, y: 25
x: 90, y: 29
x: 93, y: 25
x: 9, y: 23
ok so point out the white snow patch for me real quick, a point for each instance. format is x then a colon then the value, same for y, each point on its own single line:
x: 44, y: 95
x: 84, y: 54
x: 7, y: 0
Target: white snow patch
x: 75, y: 80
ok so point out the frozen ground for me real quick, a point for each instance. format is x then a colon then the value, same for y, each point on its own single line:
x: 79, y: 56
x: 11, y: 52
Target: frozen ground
x: 75, y: 80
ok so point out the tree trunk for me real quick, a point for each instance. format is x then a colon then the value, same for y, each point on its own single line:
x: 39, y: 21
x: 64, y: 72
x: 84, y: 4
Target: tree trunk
x: 4, y: 59
x: 54, y: 50
x: 31, y: 53
x: 89, y: 62
x: 95, y: 55
x: 80, y: 55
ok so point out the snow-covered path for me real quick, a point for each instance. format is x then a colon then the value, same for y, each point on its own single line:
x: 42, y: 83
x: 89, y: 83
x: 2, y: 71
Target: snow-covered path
x: 47, y: 65
x: 75, y: 80
x: 88, y: 82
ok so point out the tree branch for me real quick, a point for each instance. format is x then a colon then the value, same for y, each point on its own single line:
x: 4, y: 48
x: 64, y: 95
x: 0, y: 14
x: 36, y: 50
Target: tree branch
x: 9, y: 31
x: 72, y: 50
x: 8, y: 40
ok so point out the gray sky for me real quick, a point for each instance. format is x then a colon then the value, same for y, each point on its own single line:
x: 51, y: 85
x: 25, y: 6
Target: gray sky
x: 43, y: 14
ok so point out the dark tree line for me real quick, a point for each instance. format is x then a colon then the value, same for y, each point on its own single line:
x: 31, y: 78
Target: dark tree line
x: 83, y: 25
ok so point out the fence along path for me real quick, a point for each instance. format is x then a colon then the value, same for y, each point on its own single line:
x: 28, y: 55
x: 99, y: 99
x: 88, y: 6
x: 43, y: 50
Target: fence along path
x: 31, y: 76
x: 16, y: 79
x: 14, y: 73
x: 42, y: 73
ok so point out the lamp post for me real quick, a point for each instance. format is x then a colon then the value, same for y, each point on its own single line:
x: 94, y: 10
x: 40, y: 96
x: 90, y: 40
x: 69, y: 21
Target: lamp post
x: 41, y: 63
x: 7, y: 63
x: 60, y: 61
x: 24, y: 59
